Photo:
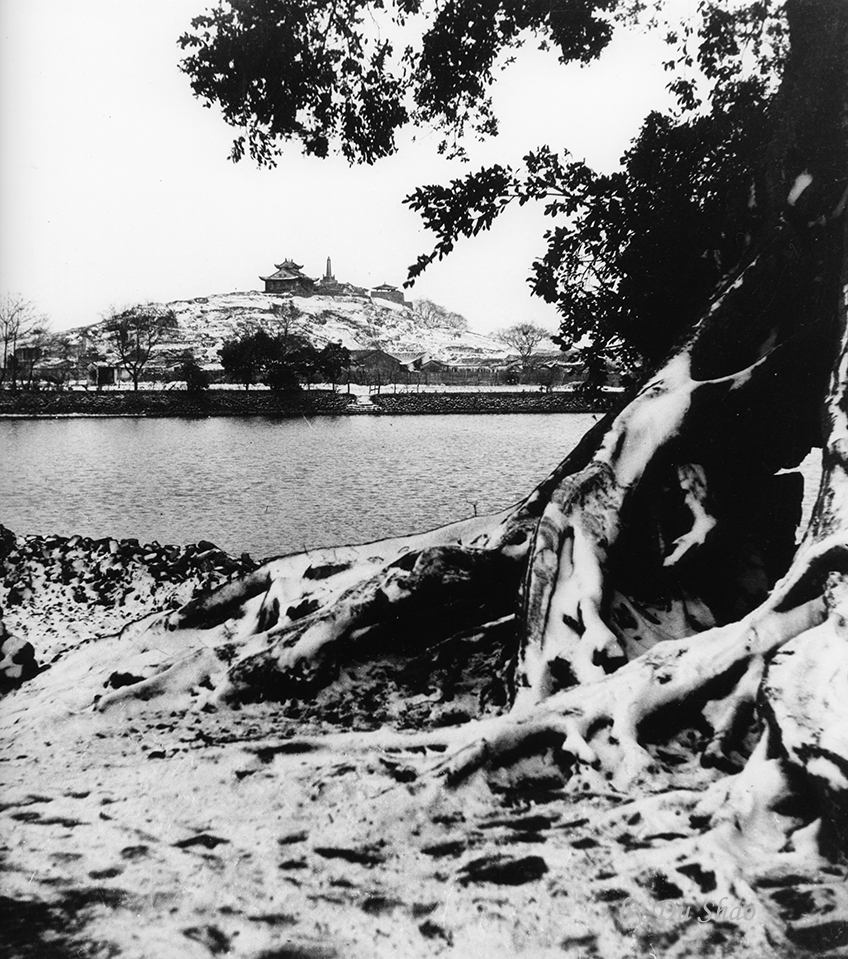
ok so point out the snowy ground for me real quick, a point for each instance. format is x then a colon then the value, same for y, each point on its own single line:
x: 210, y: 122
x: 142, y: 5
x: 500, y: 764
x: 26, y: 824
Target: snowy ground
x: 159, y: 830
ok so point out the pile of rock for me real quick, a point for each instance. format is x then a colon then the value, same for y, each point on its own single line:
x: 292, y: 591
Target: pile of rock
x: 494, y: 402
x: 43, y: 574
x: 106, y: 571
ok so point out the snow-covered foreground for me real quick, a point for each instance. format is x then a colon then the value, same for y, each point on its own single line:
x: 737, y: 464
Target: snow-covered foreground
x: 160, y: 830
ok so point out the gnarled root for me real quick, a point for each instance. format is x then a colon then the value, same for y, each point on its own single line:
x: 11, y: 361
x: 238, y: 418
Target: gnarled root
x: 776, y: 823
x: 592, y: 521
x: 283, y: 627
x: 669, y: 673
x: 805, y: 706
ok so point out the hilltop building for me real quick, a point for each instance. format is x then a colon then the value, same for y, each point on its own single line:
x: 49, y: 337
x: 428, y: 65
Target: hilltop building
x: 328, y: 285
x: 289, y: 279
x: 386, y: 291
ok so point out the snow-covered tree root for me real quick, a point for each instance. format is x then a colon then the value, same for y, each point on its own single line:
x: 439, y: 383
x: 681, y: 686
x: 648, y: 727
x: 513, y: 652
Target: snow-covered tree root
x: 278, y: 629
x: 751, y: 844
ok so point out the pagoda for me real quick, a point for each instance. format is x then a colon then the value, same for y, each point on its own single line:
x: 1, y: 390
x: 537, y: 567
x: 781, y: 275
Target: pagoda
x: 288, y: 278
x: 328, y: 285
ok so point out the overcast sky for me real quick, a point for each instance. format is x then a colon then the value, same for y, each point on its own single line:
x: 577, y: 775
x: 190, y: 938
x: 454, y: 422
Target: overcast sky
x: 115, y: 186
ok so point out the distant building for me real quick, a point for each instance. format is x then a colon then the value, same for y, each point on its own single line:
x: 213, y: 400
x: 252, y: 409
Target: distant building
x: 289, y: 279
x: 328, y: 285
x: 103, y: 374
x: 435, y: 366
x: 387, y: 292
x: 376, y: 364
x: 412, y: 361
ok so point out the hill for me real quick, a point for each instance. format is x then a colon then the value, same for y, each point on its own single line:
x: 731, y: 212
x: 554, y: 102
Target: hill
x: 358, y: 322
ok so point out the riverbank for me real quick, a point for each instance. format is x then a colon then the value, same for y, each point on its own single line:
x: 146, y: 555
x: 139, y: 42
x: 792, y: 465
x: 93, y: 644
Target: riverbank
x: 491, y: 402
x: 166, y: 828
x: 180, y: 403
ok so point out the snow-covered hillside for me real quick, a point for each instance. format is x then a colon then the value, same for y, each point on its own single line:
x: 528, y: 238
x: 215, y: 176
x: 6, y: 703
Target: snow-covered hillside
x: 358, y: 322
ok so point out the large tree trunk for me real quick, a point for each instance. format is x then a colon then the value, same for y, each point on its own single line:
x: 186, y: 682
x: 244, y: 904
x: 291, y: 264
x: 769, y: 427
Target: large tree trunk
x: 656, y: 567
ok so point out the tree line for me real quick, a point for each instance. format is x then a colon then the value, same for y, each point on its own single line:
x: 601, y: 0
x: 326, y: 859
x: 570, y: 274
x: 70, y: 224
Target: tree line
x: 282, y: 361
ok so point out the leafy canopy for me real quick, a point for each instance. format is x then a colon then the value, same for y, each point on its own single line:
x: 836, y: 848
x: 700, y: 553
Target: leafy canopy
x: 196, y: 378
x: 281, y: 360
x: 349, y: 74
x: 629, y: 255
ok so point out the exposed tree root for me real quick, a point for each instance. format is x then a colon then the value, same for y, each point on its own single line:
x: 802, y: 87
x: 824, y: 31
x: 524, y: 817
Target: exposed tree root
x: 275, y: 629
x: 670, y: 673
x: 806, y: 712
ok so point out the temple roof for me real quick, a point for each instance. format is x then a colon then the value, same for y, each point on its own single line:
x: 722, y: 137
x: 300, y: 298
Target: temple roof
x: 284, y: 274
x: 287, y: 270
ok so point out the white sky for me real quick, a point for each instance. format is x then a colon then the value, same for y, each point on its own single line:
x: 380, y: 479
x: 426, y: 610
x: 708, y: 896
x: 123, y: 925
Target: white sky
x: 115, y: 186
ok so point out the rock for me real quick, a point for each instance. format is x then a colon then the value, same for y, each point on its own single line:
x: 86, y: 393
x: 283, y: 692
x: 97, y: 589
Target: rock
x: 17, y: 659
x: 503, y: 870
x: 359, y: 856
x: 820, y: 936
x: 452, y: 847
x: 432, y: 930
x: 209, y: 936
x: 205, y: 840
x: 16, y: 596
x: 8, y: 541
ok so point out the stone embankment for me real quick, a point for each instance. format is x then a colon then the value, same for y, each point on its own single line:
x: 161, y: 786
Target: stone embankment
x: 172, y: 403
x: 494, y: 402
x: 305, y: 403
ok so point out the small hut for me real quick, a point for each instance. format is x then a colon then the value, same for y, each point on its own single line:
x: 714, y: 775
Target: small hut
x: 385, y: 291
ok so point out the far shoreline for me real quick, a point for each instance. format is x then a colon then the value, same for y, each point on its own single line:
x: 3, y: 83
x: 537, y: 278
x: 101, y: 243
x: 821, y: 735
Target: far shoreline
x: 215, y: 403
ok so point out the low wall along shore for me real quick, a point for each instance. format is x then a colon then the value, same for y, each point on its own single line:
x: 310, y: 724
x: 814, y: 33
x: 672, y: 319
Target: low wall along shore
x: 173, y: 403
x: 500, y: 402
x: 305, y: 403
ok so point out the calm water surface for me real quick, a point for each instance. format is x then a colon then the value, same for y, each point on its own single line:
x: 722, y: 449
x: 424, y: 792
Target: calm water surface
x: 271, y: 486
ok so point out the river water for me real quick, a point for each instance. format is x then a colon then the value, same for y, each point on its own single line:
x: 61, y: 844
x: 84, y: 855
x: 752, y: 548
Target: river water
x: 268, y: 486
x: 271, y: 486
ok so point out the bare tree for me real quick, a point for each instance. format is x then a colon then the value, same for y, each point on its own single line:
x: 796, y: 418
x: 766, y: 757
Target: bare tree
x: 288, y: 320
x: 523, y: 338
x: 18, y: 320
x: 134, y: 333
x: 432, y: 315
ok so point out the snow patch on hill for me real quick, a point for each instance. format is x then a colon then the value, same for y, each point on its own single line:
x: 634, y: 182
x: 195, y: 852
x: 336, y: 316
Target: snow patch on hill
x: 357, y: 322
